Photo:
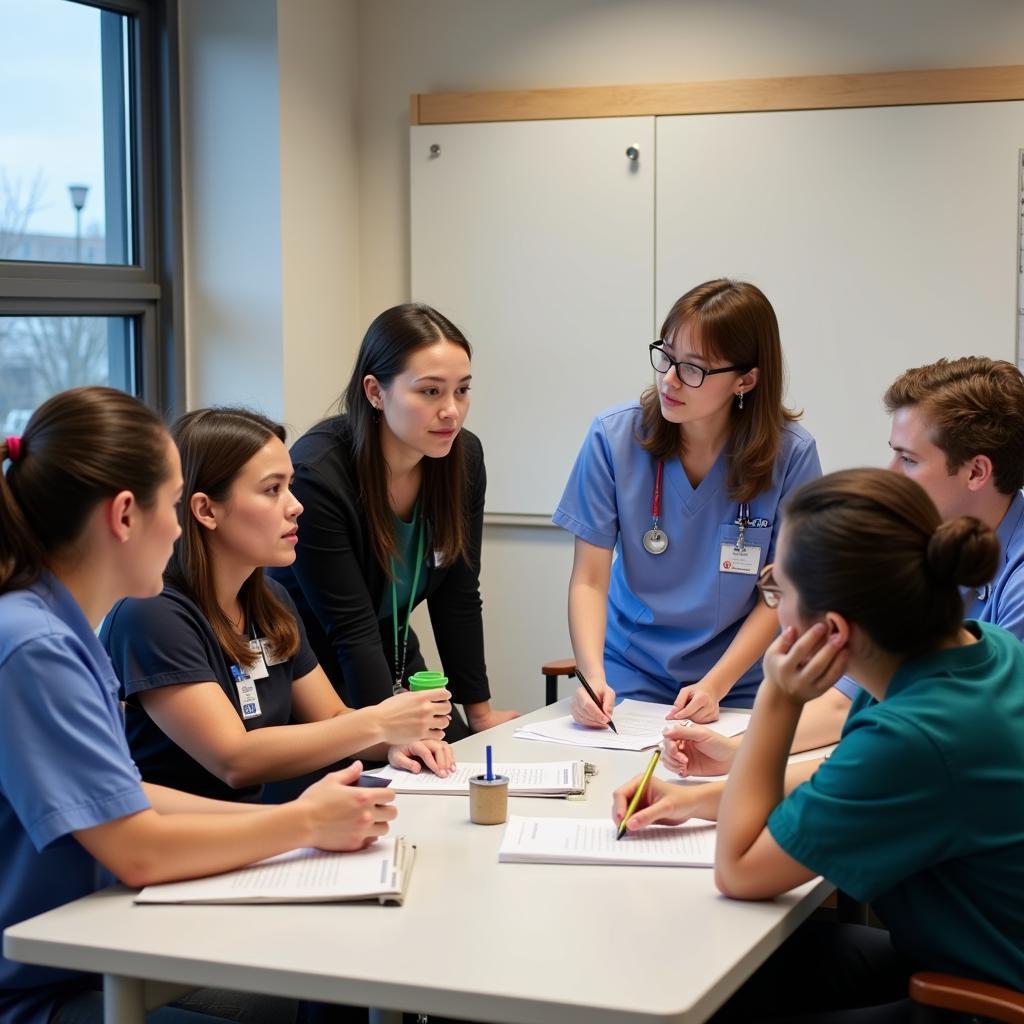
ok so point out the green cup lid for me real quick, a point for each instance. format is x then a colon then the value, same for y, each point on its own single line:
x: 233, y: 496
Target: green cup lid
x: 428, y: 681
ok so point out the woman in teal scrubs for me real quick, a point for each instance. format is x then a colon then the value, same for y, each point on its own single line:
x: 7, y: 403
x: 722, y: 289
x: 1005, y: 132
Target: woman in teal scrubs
x: 918, y: 809
x: 674, y: 501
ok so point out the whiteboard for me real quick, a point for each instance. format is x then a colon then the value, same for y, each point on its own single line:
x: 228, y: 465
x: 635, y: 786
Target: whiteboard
x: 537, y: 239
x: 885, y: 238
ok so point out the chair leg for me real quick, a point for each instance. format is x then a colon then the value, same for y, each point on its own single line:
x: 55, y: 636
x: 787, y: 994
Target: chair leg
x: 551, y: 689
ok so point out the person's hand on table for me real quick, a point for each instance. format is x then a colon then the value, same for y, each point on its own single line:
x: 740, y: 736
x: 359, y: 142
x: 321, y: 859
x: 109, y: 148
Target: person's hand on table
x: 342, y: 816
x: 806, y: 666
x: 695, y: 703
x: 689, y: 749
x: 437, y: 755
x: 662, y: 803
x: 586, y: 712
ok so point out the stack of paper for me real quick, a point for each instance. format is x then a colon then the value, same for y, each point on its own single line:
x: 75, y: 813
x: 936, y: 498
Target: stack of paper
x: 639, y: 723
x: 557, y: 778
x: 379, y: 872
x: 592, y: 841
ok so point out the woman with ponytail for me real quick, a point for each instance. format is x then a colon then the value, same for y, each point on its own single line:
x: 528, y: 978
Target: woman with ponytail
x: 918, y: 810
x: 88, y: 515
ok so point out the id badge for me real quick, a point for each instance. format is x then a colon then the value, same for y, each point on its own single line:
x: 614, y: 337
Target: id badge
x: 248, y: 698
x: 257, y: 668
x: 746, y: 560
x: 270, y: 655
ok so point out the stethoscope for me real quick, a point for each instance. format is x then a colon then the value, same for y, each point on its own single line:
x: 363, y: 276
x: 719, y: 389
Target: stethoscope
x: 656, y: 540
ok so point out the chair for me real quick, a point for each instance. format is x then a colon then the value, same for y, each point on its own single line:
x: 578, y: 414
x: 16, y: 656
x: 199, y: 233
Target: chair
x: 551, y: 671
x: 962, y: 995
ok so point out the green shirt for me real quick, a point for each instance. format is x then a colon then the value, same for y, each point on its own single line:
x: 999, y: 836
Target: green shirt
x: 406, y: 539
x: 920, y: 809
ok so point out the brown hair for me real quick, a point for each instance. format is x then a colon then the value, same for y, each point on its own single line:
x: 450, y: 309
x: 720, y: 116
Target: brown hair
x: 215, y: 445
x: 974, y: 406
x: 79, y: 447
x: 389, y: 341
x: 870, y: 545
x: 735, y: 322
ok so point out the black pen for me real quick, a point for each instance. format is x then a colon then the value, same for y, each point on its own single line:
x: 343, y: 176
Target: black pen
x: 593, y: 697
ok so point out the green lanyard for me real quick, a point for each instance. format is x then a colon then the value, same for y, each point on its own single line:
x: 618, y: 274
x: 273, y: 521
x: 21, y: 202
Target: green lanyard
x: 397, y: 686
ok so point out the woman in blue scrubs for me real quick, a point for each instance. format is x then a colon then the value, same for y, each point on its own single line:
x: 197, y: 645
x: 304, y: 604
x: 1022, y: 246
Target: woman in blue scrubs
x: 88, y: 515
x: 673, y: 501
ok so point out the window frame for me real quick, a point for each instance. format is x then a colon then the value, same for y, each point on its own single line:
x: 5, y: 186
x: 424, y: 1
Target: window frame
x: 146, y: 290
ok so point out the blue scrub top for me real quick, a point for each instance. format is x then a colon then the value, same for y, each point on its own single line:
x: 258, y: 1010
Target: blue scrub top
x: 64, y: 766
x: 672, y: 616
x: 1002, y: 601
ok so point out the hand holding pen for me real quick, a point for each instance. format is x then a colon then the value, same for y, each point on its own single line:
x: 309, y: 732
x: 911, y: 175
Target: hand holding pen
x: 639, y: 792
x: 593, y: 708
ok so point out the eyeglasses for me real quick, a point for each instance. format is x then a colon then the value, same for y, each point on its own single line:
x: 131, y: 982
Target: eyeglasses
x: 770, y: 592
x: 688, y: 373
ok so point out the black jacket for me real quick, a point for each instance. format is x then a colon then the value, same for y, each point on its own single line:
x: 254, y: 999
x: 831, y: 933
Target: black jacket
x: 338, y: 585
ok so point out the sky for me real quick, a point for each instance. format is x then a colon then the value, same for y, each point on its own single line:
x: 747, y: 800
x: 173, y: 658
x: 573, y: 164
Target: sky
x: 51, y: 109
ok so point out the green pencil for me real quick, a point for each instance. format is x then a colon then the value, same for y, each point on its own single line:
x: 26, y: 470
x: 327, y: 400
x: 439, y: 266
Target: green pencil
x: 639, y: 792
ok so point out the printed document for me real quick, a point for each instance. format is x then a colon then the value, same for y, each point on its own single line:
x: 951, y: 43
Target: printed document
x: 554, y: 778
x: 639, y: 723
x: 380, y: 872
x: 592, y: 841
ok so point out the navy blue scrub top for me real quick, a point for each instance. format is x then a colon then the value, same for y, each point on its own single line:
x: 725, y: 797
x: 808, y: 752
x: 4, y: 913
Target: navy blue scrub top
x: 166, y: 640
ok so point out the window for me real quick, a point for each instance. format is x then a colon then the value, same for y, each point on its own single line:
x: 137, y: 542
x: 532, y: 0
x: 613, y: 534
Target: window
x: 89, y: 208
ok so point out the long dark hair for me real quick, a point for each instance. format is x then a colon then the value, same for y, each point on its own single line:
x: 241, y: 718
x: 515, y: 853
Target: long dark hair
x: 215, y: 445
x: 389, y: 341
x: 869, y: 544
x: 735, y: 322
x: 79, y: 447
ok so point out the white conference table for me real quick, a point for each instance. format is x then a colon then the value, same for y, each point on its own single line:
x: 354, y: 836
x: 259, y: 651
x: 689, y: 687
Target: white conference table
x: 517, y: 943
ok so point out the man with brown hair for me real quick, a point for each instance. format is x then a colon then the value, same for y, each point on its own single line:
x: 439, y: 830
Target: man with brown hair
x: 958, y: 430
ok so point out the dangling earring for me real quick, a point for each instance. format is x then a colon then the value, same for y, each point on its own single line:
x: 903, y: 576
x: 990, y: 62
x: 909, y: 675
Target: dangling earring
x: 739, y: 401
x: 376, y: 414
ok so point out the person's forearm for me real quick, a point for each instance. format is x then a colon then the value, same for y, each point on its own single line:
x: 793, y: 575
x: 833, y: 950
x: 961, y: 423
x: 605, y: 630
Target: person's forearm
x: 165, y: 800
x: 287, y: 751
x: 822, y: 721
x: 756, y: 783
x: 588, y: 611
x: 708, y: 795
x: 169, y: 847
x: 751, y: 641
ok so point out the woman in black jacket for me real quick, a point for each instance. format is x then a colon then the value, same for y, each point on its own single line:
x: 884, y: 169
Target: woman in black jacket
x: 393, y: 491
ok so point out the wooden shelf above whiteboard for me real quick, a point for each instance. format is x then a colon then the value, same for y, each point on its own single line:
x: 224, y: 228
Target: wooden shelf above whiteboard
x: 812, y: 92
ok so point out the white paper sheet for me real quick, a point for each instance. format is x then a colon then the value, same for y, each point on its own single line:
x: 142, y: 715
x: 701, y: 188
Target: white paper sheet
x: 640, y: 725
x: 298, y: 876
x: 592, y: 841
x: 525, y: 778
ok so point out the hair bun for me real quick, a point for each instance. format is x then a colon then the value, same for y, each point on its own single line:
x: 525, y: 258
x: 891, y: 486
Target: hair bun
x: 963, y: 551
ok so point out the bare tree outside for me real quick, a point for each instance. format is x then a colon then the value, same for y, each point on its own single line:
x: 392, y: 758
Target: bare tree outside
x: 40, y: 355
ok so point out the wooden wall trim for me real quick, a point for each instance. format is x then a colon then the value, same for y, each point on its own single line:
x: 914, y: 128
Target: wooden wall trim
x: 813, y: 92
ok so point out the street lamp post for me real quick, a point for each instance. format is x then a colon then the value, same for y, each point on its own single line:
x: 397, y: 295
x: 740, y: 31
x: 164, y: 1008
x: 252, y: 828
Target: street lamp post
x: 78, y: 194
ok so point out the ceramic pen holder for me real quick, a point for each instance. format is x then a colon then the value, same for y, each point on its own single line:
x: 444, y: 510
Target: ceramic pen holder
x: 488, y: 799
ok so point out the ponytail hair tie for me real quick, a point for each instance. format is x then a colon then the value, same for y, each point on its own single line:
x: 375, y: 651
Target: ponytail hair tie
x: 14, y: 448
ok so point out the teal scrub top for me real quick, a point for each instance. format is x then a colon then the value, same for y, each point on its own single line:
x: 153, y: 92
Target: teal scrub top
x: 920, y: 809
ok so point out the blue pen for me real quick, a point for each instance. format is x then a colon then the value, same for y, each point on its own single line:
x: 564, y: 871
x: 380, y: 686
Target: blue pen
x: 490, y: 772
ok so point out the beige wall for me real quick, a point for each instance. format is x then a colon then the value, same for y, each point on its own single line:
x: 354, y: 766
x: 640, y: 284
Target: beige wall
x: 409, y: 46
